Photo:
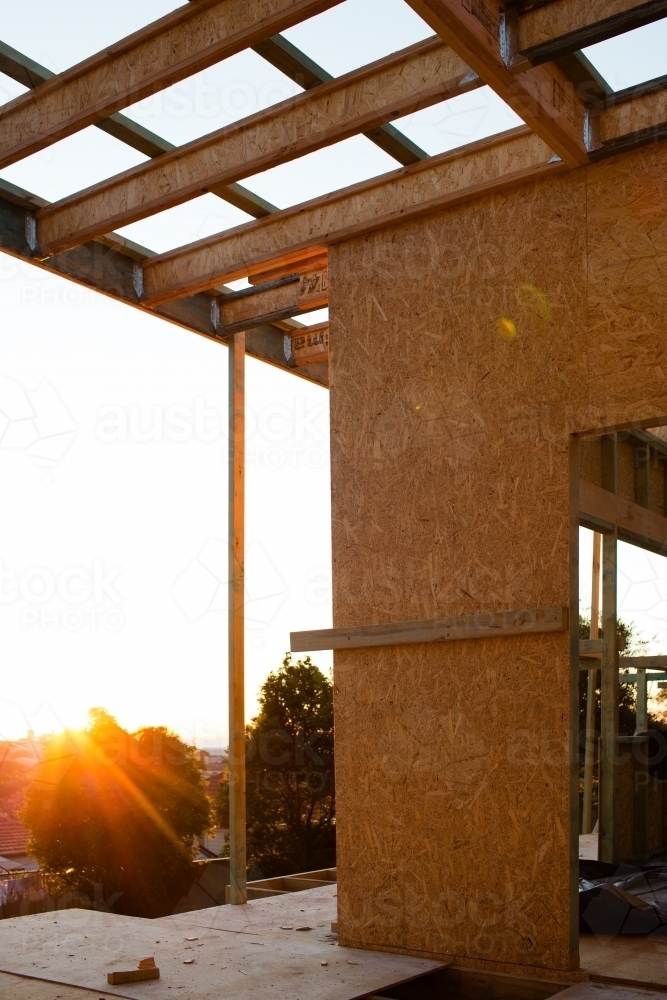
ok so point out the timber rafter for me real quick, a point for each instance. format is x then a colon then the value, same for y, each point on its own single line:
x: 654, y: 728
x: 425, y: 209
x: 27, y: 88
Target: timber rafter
x: 403, y: 83
x: 441, y: 181
x: 176, y: 46
x: 528, y: 51
x: 113, y: 266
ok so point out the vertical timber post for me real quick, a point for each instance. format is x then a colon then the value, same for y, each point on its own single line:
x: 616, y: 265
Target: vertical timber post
x: 609, y: 701
x: 237, y: 781
x: 609, y: 687
x: 589, y: 752
x: 641, y: 724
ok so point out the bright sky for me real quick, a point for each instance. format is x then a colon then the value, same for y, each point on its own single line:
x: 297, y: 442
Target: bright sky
x: 114, y: 464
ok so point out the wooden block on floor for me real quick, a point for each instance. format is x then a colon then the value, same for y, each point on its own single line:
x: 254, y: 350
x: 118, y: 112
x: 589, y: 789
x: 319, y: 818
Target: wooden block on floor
x: 132, y: 976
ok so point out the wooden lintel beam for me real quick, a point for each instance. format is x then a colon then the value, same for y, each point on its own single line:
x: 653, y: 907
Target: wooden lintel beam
x: 605, y: 511
x: 630, y: 118
x: 564, y: 26
x: 170, y: 49
x: 492, y: 165
x: 542, y: 96
x: 112, y: 266
x: 402, y: 83
x: 277, y: 300
x: 480, y: 626
x: 591, y: 649
x: 642, y: 662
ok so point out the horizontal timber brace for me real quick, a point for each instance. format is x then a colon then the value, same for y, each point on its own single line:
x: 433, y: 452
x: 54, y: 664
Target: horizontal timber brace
x: 479, y: 626
x: 182, y: 43
x: 601, y: 510
x: 591, y: 649
x: 112, y: 266
x: 280, y: 299
x: 400, y: 84
x: 659, y: 675
x: 630, y: 663
x: 557, y: 29
x: 629, y: 118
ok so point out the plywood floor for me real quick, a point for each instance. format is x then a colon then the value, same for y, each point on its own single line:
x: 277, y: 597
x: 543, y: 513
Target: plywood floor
x: 15, y: 988
x: 632, y: 959
x: 255, y: 951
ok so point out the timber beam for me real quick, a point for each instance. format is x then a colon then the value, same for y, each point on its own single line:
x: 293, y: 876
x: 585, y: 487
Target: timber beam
x: 543, y: 96
x: 27, y: 72
x: 492, y: 165
x: 282, y: 267
x: 557, y: 29
x: 176, y: 46
x: 604, y: 511
x: 630, y: 118
x: 113, y: 266
x: 528, y: 621
x: 402, y: 83
x: 286, y: 297
x: 307, y: 74
x: 309, y: 346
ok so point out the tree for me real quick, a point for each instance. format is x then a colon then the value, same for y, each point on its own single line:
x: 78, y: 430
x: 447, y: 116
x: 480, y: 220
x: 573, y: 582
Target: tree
x: 113, y: 816
x: 290, y: 773
x: 627, y: 702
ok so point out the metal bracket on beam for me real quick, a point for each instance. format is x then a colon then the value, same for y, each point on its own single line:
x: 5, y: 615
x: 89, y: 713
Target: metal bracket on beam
x: 31, y: 231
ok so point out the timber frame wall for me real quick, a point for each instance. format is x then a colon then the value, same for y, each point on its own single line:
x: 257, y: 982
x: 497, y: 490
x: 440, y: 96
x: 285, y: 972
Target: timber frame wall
x: 490, y: 308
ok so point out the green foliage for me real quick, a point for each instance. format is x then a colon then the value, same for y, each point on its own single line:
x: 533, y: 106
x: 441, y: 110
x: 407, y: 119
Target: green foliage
x: 627, y: 702
x: 113, y: 814
x: 290, y: 773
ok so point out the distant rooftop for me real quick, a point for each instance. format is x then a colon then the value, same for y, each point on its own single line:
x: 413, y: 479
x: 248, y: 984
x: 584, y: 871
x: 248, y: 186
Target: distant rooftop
x: 13, y: 838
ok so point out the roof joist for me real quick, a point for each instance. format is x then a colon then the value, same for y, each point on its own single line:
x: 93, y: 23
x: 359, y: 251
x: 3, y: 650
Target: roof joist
x: 543, y: 96
x: 112, y: 266
x: 184, y: 42
x: 30, y: 74
x: 486, y: 166
x: 630, y: 118
x: 565, y: 26
x: 403, y: 83
x: 277, y: 300
x: 307, y: 74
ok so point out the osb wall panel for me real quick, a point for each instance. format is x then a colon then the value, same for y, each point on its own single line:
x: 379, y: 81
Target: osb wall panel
x: 451, y: 495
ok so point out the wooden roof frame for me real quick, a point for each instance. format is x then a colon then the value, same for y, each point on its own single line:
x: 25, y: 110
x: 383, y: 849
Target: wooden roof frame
x: 528, y: 51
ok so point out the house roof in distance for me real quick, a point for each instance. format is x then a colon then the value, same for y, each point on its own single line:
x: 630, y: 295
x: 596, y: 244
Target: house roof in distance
x: 13, y: 838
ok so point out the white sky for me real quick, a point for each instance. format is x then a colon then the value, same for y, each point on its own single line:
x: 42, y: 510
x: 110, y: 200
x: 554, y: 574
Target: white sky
x: 149, y: 516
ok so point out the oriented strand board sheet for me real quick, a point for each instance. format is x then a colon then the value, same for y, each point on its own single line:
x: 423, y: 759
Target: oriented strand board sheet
x: 608, y: 991
x: 16, y: 988
x: 466, y: 348
x: 254, y: 951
